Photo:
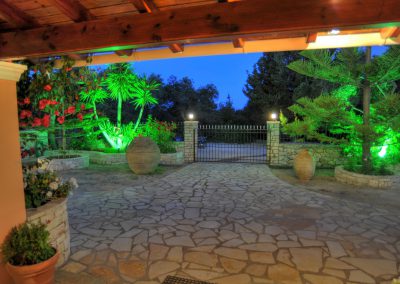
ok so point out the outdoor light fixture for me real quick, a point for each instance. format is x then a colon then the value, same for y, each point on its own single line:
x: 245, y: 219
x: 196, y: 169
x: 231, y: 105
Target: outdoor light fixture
x: 334, y: 32
x: 191, y: 116
x: 274, y: 116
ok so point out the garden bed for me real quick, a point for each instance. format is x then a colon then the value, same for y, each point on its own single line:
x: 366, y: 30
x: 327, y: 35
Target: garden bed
x: 54, y: 214
x: 172, y: 159
x: 381, y: 182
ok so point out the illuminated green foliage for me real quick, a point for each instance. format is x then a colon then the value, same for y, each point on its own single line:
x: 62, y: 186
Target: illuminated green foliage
x: 370, y: 141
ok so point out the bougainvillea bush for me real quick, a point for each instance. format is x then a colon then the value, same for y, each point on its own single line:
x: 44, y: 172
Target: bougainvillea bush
x: 51, y: 101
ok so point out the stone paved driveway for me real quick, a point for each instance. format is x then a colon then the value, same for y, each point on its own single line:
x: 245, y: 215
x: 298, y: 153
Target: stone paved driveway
x: 225, y: 223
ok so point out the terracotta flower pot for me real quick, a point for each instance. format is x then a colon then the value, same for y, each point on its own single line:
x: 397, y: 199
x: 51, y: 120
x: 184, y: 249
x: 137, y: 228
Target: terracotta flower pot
x: 143, y: 155
x: 42, y: 272
x: 304, y: 165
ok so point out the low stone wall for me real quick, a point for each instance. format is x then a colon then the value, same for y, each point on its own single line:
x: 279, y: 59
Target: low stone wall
x: 380, y: 182
x: 172, y: 159
x: 325, y: 156
x: 67, y: 163
x: 179, y: 146
x: 55, y: 215
x: 96, y: 157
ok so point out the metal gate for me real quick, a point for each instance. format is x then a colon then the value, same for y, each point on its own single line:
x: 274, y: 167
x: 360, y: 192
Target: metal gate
x: 231, y: 143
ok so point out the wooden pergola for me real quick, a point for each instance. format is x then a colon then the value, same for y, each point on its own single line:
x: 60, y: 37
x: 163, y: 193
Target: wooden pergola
x: 127, y: 30
x: 130, y: 30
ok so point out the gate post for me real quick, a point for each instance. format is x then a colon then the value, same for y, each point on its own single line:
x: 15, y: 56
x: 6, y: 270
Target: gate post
x: 190, y: 137
x: 273, y: 139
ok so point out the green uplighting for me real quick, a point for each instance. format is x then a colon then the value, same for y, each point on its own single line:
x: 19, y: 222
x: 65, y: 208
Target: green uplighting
x: 382, y: 152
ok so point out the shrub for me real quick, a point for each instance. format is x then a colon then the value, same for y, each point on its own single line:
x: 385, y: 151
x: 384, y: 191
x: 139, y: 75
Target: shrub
x: 41, y: 186
x: 27, y: 244
x: 162, y: 133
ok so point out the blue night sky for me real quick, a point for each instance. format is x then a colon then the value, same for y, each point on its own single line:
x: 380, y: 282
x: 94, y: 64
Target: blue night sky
x: 227, y: 72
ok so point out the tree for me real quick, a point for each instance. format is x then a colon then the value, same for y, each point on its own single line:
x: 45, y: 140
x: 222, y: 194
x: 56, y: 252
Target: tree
x: 227, y: 113
x: 179, y: 97
x: 367, y: 86
x: 272, y: 86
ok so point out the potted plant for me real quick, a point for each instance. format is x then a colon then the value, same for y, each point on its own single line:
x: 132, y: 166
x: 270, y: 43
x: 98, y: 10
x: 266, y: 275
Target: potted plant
x: 29, y: 255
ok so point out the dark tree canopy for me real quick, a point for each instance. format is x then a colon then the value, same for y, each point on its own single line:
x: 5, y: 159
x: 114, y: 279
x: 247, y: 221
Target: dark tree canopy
x: 272, y: 86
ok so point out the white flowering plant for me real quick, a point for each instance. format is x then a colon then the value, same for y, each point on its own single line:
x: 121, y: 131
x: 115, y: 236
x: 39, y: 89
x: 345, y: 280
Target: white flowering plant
x: 42, y: 185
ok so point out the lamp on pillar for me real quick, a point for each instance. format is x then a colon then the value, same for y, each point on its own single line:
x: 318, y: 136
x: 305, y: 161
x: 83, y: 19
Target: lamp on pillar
x: 274, y: 116
x: 191, y: 116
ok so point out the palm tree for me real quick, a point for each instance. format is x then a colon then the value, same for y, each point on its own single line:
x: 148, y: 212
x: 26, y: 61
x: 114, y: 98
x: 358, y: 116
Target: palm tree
x: 120, y: 81
x: 143, y: 96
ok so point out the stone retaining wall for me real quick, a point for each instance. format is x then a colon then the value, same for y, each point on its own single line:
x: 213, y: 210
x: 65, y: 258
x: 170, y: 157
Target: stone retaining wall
x: 381, y: 182
x: 96, y: 157
x: 172, y: 159
x: 67, y: 163
x: 325, y: 156
x: 55, y: 215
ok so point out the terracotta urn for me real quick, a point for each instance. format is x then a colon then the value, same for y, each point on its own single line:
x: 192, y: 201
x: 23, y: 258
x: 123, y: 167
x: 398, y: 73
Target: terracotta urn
x: 143, y: 155
x: 42, y: 272
x: 304, y: 165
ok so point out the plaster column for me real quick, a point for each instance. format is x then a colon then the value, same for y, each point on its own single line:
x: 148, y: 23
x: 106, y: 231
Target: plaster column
x: 190, y: 137
x: 12, y: 201
x: 273, y: 139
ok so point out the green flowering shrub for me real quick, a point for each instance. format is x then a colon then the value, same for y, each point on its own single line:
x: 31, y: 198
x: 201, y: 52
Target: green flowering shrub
x: 42, y: 186
x: 27, y: 244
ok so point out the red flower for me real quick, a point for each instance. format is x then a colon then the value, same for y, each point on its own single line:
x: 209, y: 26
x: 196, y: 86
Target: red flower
x: 47, y: 88
x: 70, y: 110
x: 53, y: 103
x: 36, y: 122
x: 61, y: 119
x: 79, y: 116
x: 57, y: 113
x: 43, y: 103
x: 25, y: 114
x: 27, y: 101
x: 23, y: 124
x: 68, y: 69
x: 82, y: 106
x: 46, y: 120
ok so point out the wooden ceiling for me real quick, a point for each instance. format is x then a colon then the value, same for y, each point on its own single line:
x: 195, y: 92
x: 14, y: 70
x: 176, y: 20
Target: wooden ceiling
x: 38, y: 28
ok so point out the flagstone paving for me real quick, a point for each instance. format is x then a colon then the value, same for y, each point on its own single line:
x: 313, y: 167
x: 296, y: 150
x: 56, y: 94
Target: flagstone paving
x: 223, y: 223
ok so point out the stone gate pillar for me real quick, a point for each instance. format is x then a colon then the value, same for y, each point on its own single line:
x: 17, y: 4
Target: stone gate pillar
x: 273, y: 138
x: 12, y: 201
x: 191, y: 140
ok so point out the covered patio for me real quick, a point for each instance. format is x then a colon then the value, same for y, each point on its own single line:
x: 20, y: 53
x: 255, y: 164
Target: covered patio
x: 176, y: 222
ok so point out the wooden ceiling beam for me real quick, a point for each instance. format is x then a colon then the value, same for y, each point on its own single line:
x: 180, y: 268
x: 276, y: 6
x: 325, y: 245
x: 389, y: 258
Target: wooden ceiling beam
x: 15, y: 17
x: 311, y: 37
x: 176, y: 47
x: 124, y: 52
x: 207, y: 22
x: 77, y: 56
x: 145, y: 6
x: 390, y: 32
x: 238, y: 42
x: 73, y: 9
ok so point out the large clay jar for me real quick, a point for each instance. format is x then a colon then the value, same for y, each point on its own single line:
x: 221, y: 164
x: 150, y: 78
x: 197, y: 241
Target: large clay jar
x: 304, y: 165
x: 42, y: 272
x: 143, y: 155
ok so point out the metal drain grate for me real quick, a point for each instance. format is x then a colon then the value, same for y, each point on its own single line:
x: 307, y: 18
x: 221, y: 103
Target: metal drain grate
x: 178, y: 280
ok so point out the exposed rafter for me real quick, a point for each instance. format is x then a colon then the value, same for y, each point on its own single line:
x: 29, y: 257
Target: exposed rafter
x: 15, y: 17
x: 311, y: 37
x: 124, y: 52
x: 73, y: 9
x: 390, y: 32
x: 238, y: 42
x: 210, y: 22
x: 176, y: 47
x: 145, y: 6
